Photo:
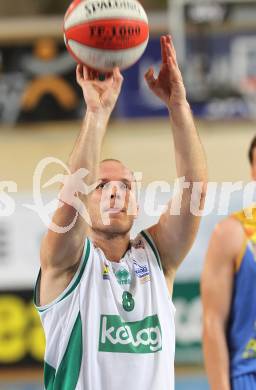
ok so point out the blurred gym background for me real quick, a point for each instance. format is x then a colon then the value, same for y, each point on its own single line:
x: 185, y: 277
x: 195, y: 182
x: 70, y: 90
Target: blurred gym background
x: 41, y: 108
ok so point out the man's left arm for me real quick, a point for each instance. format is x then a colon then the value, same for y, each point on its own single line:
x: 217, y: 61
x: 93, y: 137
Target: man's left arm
x: 176, y: 230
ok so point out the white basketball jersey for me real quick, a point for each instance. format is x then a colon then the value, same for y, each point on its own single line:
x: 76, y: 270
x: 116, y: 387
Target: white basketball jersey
x: 113, y: 326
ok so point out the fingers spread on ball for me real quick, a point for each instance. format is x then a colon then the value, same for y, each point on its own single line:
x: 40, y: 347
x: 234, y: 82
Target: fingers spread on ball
x: 117, y: 79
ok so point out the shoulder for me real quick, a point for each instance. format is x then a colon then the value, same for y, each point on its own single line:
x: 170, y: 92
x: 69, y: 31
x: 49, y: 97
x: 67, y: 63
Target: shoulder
x: 227, y: 239
x: 229, y: 228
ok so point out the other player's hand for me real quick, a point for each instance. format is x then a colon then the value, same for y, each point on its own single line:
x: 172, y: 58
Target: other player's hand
x: 168, y: 86
x: 99, y: 96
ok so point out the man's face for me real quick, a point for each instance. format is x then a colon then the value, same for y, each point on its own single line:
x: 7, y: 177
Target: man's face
x: 253, y: 166
x: 112, y: 205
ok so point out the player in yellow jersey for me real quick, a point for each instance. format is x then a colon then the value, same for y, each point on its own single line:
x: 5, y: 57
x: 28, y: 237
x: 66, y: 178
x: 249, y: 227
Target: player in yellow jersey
x: 229, y: 300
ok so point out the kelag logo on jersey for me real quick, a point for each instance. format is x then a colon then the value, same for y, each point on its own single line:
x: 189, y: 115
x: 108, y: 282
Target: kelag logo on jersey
x: 130, y: 337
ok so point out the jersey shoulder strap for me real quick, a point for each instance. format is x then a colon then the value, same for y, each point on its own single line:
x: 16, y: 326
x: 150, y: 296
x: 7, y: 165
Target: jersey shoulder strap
x: 149, y: 240
x: 247, y: 218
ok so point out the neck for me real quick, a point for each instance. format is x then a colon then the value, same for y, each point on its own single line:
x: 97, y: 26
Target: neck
x: 114, y: 246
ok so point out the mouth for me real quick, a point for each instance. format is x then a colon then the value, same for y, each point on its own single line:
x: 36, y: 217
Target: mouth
x: 114, y: 210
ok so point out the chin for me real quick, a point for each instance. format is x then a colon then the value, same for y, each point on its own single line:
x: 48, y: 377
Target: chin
x: 115, y: 227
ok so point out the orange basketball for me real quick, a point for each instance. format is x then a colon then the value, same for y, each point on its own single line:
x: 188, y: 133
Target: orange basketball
x: 106, y: 33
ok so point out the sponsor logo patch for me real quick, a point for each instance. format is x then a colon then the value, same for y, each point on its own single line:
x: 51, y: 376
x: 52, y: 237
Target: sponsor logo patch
x: 123, y: 276
x: 130, y: 337
x: 142, y: 272
x: 106, y: 272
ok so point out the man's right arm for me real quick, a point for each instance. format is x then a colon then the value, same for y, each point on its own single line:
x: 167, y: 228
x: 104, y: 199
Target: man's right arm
x: 61, y: 253
x: 217, y: 287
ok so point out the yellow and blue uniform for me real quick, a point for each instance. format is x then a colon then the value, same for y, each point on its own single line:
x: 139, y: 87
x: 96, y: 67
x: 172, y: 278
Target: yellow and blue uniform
x: 241, y: 333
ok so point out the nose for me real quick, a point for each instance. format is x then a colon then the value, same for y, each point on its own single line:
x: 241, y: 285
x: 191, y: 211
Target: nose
x: 114, y: 192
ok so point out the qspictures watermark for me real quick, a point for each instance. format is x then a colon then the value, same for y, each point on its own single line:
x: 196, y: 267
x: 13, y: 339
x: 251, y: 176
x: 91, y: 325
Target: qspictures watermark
x: 73, y: 189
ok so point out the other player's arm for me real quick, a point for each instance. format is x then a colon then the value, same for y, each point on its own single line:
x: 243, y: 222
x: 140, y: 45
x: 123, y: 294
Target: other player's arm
x: 216, y: 288
x: 61, y: 253
x: 175, y: 234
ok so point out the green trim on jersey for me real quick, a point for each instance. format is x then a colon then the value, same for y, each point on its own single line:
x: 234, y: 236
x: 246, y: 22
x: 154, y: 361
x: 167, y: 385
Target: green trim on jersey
x: 72, y: 288
x: 49, y: 375
x: 67, y: 375
x: 68, y: 372
x: 74, y: 283
x: 151, y: 243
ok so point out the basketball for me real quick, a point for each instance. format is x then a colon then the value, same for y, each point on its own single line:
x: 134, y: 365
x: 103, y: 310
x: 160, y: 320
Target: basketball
x: 103, y: 34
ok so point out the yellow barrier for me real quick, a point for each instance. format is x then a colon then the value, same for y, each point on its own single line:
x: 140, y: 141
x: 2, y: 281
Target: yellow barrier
x: 21, y: 333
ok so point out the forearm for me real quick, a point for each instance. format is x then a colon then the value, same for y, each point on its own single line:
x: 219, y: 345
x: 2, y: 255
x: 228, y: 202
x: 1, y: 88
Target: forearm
x: 87, y: 150
x: 216, y: 357
x: 63, y: 250
x: 189, y: 154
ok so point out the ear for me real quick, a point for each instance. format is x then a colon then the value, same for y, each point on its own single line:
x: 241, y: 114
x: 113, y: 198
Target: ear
x: 138, y: 210
x: 253, y: 173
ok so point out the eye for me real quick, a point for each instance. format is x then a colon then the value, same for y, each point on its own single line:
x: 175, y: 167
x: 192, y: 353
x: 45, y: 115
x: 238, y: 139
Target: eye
x: 125, y: 186
x: 100, y: 186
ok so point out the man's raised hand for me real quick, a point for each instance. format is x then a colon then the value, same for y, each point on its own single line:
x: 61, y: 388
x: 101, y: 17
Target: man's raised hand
x: 100, y: 96
x: 168, y: 86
